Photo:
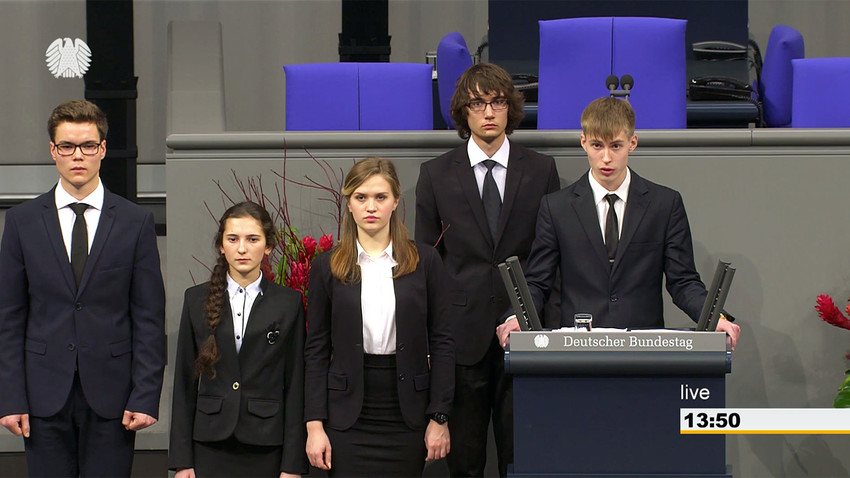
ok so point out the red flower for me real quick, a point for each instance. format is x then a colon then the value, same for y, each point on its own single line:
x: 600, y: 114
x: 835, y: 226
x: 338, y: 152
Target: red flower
x: 829, y: 312
x: 309, y: 246
x: 326, y: 242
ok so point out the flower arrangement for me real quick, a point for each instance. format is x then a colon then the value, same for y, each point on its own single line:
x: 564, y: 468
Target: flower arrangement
x: 289, y: 264
x: 828, y: 311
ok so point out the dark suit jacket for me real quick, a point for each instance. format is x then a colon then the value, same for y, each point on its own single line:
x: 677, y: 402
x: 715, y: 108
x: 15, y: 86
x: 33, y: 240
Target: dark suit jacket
x: 447, y: 196
x: 655, y: 242
x: 112, y: 327
x: 334, y: 350
x: 258, y: 394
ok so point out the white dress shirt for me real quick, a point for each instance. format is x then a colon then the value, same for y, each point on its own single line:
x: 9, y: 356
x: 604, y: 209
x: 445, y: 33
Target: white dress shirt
x: 377, y: 301
x: 241, y: 302
x: 599, y: 193
x: 477, y: 158
x: 67, y: 215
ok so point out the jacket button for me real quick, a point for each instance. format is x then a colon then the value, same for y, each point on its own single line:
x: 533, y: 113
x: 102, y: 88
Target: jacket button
x: 235, y: 385
x: 71, y: 347
x: 400, y: 347
x: 401, y: 377
x: 614, y: 298
x: 78, y: 306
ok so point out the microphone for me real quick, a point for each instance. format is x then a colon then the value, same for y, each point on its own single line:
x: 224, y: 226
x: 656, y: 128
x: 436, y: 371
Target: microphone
x: 628, y: 83
x: 612, y: 83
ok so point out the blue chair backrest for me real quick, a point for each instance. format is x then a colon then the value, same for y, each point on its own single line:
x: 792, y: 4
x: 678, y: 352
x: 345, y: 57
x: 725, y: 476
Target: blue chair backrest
x: 817, y: 98
x: 396, y: 96
x: 452, y: 60
x: 578, y: 54
x: 322, y: 97
x: 784, y: 45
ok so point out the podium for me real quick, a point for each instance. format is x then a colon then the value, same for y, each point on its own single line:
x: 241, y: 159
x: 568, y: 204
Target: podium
x: 606, y: 403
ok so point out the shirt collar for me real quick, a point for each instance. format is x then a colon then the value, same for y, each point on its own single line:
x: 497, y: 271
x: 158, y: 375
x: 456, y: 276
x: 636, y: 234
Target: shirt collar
x: 386, y: 255
x: 253, y: 289
x: 94, y: 200
x: 476, y: 155
x: 599, y: 192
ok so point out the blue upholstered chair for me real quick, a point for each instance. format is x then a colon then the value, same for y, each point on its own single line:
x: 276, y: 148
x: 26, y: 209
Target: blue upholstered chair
x: 452, y: 60
x: 818, y: 99
x: 575, y: 59
x: 359, y: 96
x: 322, y: 97
x: 396, y: 96
x: 578, y: 54
x: 784, y: 45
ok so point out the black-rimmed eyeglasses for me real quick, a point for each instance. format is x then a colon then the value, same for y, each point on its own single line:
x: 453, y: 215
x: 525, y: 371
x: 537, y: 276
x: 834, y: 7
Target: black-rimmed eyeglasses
x: 479, y: 105
x: 68, y: 149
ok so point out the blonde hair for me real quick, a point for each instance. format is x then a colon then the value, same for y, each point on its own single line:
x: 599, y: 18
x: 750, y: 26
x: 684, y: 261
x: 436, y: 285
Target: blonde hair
x: 605, y: 118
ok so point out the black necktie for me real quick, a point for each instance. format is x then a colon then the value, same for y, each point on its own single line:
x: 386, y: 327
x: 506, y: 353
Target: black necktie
x: 491, y: 198
x: 612, y: 229
x: 79, y: 241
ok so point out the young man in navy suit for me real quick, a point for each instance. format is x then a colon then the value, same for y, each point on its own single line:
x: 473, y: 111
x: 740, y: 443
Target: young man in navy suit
x: 477, y: 204
x: 82, y: 308
x: 612, y: 262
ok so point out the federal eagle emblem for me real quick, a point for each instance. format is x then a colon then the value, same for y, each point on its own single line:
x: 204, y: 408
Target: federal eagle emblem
x: 68, y: 59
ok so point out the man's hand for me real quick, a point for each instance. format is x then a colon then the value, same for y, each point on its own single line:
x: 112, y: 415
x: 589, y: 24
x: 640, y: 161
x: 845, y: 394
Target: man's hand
x: 17, y: 424
x: 437, y: 440
x: 135, y: 421
x: 318, y: 445
x: 732, y: 330
x: 503, y: 332
x: 185, y: 473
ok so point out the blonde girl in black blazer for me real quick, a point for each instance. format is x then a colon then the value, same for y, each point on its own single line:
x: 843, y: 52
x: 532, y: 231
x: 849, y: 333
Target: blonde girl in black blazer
x: 239, y: 377
x: 379, y: 357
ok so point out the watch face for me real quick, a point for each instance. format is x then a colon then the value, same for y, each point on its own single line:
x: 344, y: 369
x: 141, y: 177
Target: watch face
x: 440, y: 418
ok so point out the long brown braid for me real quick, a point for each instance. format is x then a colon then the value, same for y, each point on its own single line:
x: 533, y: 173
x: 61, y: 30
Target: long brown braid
x: 209, y: 354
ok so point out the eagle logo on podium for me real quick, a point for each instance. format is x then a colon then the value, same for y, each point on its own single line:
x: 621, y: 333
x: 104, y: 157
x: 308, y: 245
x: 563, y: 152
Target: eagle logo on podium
x: 68, y: 59
x: 541, y: 341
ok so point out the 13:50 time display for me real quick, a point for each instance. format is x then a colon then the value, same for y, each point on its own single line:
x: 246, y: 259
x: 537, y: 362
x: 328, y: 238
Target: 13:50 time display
x: 711, y: 420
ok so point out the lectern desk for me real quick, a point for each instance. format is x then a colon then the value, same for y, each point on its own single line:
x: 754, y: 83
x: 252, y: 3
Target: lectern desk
x: 606, y: 403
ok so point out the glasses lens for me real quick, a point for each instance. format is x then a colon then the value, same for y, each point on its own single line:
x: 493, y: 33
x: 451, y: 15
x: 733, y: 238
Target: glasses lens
x: 499, y: 103
x: 89, y: 148
x: 477, y: 105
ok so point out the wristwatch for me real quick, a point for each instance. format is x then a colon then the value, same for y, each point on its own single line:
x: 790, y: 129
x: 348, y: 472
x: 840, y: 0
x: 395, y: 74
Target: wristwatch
x: 439, y: 417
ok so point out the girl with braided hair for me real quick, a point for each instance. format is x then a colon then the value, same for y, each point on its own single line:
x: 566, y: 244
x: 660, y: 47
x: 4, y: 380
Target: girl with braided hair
x: 239, y: 373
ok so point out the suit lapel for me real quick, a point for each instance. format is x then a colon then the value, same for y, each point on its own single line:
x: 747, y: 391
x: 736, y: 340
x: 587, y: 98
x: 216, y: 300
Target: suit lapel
x: 516, y: 170
x: 636, y: 208
x: 585, y: 209
x: 101, y: 236
x: 466, y: 178
x: 54, y: 235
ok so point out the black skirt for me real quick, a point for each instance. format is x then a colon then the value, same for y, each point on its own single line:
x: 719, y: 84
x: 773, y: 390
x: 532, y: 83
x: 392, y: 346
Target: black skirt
x: 380, y: 443
x: 231, y: 458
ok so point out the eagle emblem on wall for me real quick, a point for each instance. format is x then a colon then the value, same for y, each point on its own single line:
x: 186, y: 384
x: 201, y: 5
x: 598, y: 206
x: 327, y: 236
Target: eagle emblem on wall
x: 68, y: 59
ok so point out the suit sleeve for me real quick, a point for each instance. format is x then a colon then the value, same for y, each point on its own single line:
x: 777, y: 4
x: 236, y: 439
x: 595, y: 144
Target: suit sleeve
x: 429, y: 226
x: 683, y: 281
x: 14, y: 308
x: 441, y: 344
x: 184, y: 394
x: 294, y: 458
x: 553, y: 180
x: 147, y: 312
x: 317, y: 350
x: 544, y: 257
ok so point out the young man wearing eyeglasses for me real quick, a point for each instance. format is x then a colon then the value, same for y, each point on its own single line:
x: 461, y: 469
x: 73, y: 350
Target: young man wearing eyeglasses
x: 82, y: 308
x: 478, y: 204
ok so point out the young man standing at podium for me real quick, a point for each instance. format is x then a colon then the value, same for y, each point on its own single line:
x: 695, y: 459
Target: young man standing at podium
x: 614, y: 235
x: 477, y: 204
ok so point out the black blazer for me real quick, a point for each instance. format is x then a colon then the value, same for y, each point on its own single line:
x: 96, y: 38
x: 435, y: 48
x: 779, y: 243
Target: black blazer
x: 112, y: 327
x: 334, y: 350
x: 655, y: 242
x: 447, y: 196
x: 258, y: 394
